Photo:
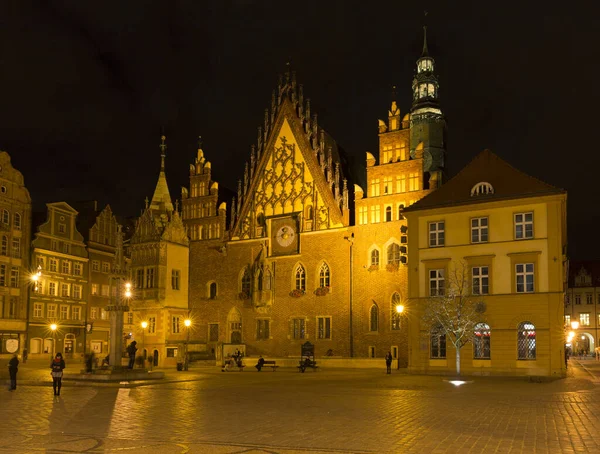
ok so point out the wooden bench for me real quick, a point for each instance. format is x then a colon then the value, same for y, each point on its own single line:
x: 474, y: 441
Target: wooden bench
x: 304, y: 364
x: 272, y: 364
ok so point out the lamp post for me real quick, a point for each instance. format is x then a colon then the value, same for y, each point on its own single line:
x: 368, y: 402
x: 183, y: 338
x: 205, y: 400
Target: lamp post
x: 144, y: 326
x: 399, y: 311
x: 187, y: 322
x: 350, y: 239
x: 34, y: 278
x: 53, y: 328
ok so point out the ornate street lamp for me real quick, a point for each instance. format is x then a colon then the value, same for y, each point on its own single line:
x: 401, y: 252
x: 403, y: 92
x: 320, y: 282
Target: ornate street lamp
x: 187, y: 322
x: 53, y: 328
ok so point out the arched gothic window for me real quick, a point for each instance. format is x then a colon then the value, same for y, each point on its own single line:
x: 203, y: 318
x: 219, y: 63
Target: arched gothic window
x: 300, y: 278
x: 395, y: 315
x: 481, y: 341
x: 324, y: 276
x: 393, y: 254
x: 212, y: 290
x: 246, y: 281
x: 375, y: 257
x: 388, y: 214
x: 526, y: 341
x: 374, y: 318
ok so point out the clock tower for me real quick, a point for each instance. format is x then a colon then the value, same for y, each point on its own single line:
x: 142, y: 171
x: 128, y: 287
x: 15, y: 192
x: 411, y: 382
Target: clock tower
x: 427, y: 137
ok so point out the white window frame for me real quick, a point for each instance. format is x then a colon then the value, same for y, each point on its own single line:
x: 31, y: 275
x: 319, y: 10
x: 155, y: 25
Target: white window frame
x: 76, y: 313
x: 175, y: 324
x: 520, y: 220
x: 480, y: 280
x: 525, y: 271
x: 38, y: 310
x: 436, y: 233
x: 479, y: 230
x: 437, y: 281
x: 584, y: 319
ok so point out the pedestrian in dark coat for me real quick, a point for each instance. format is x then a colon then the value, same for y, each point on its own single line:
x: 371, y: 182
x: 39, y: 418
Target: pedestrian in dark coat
x: 131, y: 351
x: 57, y: 365
x: 13, y: 368
x: 260, y: 363
x: 388, y: 362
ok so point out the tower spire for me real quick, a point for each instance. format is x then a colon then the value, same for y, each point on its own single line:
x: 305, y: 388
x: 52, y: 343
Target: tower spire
x: 425, y: 50
x: 163, y: 152
x: 161, y: 200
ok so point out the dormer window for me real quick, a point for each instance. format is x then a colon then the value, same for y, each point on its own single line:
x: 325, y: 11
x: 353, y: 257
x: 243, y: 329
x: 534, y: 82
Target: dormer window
x: 482, y: 188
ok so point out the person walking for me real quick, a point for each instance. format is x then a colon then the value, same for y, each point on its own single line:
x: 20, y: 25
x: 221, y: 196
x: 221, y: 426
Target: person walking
x: 57, y: 365
x: 131, y: 350
x: 388, y: 362
x: 13, y: 367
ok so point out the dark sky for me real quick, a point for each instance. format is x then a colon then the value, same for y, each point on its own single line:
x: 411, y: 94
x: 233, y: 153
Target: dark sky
x: 86, y: 89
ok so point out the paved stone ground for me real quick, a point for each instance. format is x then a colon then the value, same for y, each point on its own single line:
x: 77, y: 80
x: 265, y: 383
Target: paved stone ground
x: 354, y: 411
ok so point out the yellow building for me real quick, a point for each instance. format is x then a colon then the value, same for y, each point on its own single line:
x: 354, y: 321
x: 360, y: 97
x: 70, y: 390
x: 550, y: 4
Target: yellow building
x: 510, y: 231
x: 581, y: 305
x: 15, y: 234
x: 159, y: 250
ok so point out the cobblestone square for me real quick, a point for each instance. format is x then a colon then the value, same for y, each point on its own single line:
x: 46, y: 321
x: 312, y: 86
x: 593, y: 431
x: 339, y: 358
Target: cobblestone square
x: 205, y: 410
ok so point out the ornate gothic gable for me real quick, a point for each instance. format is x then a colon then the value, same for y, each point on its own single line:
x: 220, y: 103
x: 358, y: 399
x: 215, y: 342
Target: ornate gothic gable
x: 175, y: 231
x: 146, y: 229
x: 295, y: 168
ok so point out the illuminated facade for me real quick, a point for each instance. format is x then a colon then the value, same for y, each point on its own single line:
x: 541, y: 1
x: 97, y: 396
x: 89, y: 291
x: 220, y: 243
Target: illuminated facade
x: 582, y: 304
x: 509, y: 231
x: 291, y: 267
x: 15, y: 233
x: 159, y: 254
x: 61, y: 295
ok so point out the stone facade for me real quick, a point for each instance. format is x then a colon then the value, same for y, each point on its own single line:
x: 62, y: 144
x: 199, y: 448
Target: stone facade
x: 15, y: 233
x: 60, y: 296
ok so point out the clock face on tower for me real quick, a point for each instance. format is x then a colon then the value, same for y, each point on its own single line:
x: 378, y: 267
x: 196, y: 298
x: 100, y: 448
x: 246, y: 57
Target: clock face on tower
x: 284, y: 236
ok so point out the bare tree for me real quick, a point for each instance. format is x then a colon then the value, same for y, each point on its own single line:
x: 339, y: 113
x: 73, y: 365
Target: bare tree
x: 454, y: 310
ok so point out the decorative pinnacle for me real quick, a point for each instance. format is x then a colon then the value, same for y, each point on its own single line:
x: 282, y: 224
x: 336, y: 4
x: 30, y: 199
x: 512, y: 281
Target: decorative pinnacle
x: 163, y: 148
x: 199, y: 142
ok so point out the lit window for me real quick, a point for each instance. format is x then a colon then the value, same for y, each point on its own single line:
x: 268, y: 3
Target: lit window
x: 375, y: 187
x: 387, y: 185
x: 93, y: 313
x: 94, y: 289
x: 65, y: 290
x: 401, y: 183
x: 436, y: 234
x: 568, y: 320
x: 386, y: 154
x: 523, y: 225
x: 481, y: 341
x: 363, y: 216
x: 375, y: 214
x: 584, y: 319
x: 52, y: 289
x: 413, y: 182
x: 524, y: 277
x: 526, y: 341
x: 77, y: 292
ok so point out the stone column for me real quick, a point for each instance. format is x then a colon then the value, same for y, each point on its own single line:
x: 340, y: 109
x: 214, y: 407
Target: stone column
x: 116, y: 327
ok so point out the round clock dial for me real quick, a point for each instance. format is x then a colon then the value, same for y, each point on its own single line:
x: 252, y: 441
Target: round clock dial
x: 285, y: 235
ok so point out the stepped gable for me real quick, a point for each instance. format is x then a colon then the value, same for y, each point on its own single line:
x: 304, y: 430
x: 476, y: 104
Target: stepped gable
x: 505, y: 181
x: 588, y: 269
x: 320, y: 153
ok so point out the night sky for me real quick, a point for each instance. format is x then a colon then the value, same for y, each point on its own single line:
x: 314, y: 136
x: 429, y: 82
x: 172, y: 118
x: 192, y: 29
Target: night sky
x: 86, y: 89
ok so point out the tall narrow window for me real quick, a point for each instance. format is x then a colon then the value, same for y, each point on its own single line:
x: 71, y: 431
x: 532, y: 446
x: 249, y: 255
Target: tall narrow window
x: 175, y: 324
x: 526, y: 341
x: 298, y: 328
x: 401, y: 184
x: 481, y: 280
x: 438, y: 343
x: 323, y: 327
x: 139, y: 278
x: 16, y: 248
x: 374, y: 318
x: 14, y: 277
x: 363, y: 215
x: 375, y: 257
x: 17, y: 221
x: 300, y: 278
x: 2, y: 275
x: 262, y: 329
x: 436, y: 282
x: 481, y: 341
x: 324, y: 276
x: 175, y: 279
x: 388, y: 185
x: 375, y: 187
x: 212, y: 290
x: 266, y: 280
x: 388, y: 214
x: 5, y: 217
x: 149, y: 277
x: 246, y: 282
x: 151, y: 325
x: 4, y: 250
